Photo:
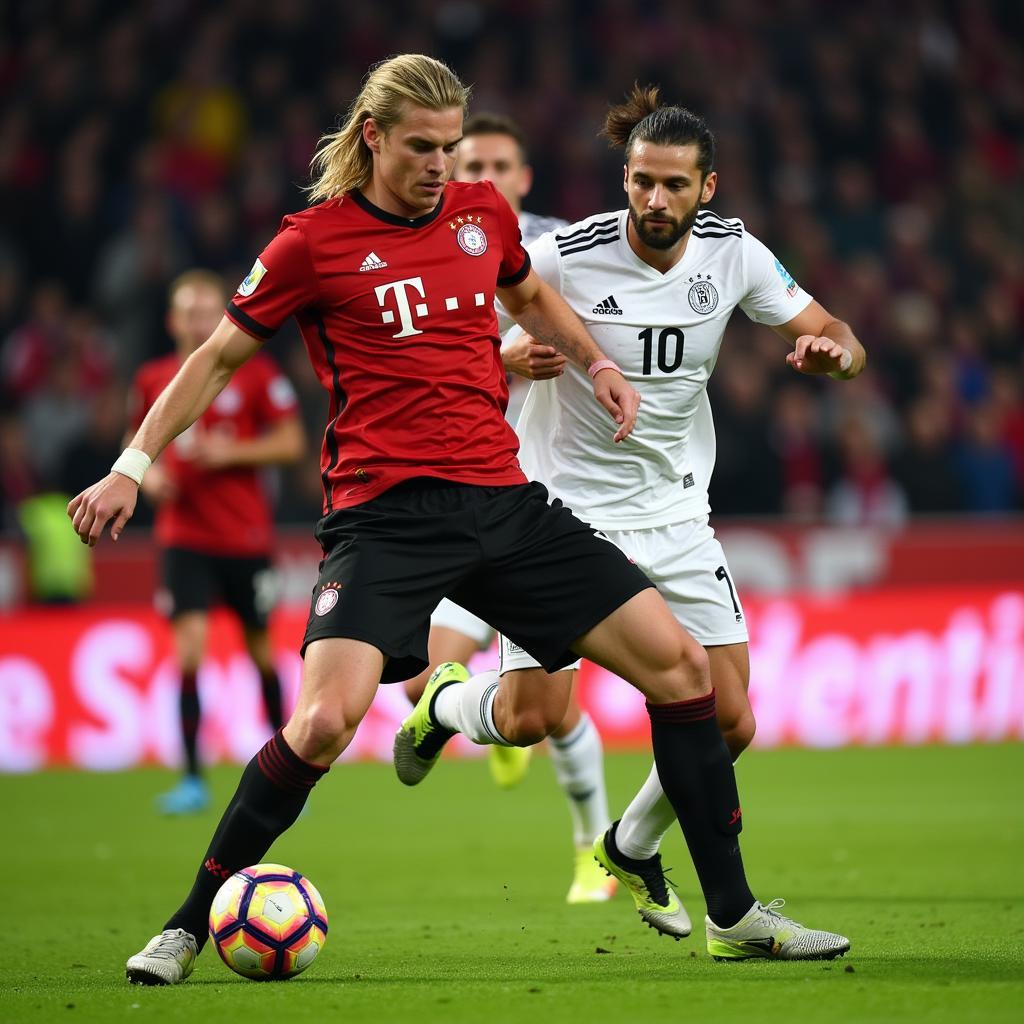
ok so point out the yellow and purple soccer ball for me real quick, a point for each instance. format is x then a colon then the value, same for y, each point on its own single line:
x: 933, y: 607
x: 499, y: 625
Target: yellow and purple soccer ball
x: 268, y: 922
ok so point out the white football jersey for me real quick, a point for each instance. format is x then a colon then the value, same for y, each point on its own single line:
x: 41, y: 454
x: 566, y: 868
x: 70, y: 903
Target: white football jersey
x: 664, y: 331
x: 531, y: 226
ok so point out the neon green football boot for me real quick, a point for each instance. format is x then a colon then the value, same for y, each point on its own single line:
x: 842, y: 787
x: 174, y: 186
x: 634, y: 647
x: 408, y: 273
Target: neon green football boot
x: 509, y: 765
x: 590, y: 882
x: 652, y: 893
x: 764, y: 933
x: 418, y: 743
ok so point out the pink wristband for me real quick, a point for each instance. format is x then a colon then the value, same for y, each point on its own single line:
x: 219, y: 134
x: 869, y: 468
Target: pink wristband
x: 602, y: 364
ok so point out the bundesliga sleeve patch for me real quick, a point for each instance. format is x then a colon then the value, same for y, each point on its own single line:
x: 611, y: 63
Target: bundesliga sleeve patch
x: 787, y: 279
x: 248, y: 286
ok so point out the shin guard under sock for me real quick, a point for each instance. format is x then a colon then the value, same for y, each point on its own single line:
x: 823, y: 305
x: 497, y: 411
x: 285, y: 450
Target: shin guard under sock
x: 646, y: 820
x: 578, y: 760
x: 697, y: 775
x: 469, y: 708
x: 270, y: 796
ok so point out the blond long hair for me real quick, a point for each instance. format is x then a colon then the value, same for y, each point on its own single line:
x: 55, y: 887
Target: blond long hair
x: 342, y: 160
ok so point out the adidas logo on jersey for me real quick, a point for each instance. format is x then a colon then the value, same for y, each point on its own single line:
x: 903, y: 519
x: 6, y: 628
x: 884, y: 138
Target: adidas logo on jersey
x: 372, y: 262
x: 608, y: 305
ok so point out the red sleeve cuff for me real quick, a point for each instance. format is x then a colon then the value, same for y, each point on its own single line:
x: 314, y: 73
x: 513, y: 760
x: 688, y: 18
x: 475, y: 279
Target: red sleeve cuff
x: 519, y: 275
x: 242, y: 320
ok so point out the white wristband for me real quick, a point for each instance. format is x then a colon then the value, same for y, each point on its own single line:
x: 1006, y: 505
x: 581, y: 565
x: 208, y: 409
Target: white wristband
x: 132, y: 463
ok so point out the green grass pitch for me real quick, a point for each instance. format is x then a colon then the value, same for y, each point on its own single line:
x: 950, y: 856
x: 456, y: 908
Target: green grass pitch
x: 446, y: 902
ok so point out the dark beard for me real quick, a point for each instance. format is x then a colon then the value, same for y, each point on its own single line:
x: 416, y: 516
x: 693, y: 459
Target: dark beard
x: 679, y: 228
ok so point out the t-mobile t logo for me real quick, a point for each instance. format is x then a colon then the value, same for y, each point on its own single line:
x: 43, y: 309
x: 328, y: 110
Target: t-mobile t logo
x: 401, y: 290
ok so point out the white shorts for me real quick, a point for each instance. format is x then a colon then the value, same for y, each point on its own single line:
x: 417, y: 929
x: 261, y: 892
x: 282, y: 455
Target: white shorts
x: 454, y: 616
x: 686, y: 563
x: 511, y: 657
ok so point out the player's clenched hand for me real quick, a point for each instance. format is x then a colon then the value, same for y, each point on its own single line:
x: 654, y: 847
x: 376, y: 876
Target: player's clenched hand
x: 620, y: 398
x: 111, y: 500
x: 818, y: 355
x: 528, y: 358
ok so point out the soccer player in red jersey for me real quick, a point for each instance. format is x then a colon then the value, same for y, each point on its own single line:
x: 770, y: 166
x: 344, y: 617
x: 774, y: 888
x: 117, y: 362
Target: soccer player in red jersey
x: 213, y: 519
x: 392, y: 277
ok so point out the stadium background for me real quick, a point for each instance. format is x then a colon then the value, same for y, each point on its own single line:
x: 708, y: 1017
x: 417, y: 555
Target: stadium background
x: 874, y: 527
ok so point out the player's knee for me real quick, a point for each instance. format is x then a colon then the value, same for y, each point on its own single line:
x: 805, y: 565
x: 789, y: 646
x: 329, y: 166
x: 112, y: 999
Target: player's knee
x: 322, y: 729
x: 263, y: 661
x: 689, y: 675
x: 530, y: 726
x: 189, y: 663
x: 693, y: 666
x: 676, y: 668
x: 739, y: 733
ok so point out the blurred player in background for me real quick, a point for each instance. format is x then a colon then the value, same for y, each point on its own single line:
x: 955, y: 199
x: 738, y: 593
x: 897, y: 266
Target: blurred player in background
x: 655, y: 285
x: 208, y: 553
x: 493, y: 148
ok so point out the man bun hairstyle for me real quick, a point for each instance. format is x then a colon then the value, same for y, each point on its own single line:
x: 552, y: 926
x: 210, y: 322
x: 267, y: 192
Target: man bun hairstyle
x: 643, y: 118
x: 342, y: 160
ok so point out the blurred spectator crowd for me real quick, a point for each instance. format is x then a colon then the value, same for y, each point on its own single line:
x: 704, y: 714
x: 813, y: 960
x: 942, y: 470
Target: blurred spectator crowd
x: 878, y: 150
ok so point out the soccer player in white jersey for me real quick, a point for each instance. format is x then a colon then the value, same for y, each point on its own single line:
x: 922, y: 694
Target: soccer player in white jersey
x: 493, y: 147
x: 655, y: 284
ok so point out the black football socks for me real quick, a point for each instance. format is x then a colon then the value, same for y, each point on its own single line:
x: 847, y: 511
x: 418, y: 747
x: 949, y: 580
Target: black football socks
x: 697, y: 775
x: 188, y: 703
x: 270, y: 684
x: 270, y: 796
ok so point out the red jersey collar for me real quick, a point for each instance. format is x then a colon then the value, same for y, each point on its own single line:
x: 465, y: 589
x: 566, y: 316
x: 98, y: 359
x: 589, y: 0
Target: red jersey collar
x: 391, y: 218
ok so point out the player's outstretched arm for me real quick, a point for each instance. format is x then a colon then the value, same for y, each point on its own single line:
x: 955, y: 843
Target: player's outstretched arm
x: 201, y: 378
x: 283, y: 443
x: 545, y: 315
x: 822, y: 344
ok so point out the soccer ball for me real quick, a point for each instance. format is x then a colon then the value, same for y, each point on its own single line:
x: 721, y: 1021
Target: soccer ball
x: 268, y: 922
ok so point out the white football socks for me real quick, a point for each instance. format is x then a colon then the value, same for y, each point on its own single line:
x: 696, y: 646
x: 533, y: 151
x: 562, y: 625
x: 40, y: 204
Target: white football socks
x: 646, y: 820
x: 578, y: 760
x: 469, y: 708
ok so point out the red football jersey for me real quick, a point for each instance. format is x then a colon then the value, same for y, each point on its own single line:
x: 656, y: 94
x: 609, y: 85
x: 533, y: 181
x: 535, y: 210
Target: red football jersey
x: 221, y: 511
x: 398, y: 318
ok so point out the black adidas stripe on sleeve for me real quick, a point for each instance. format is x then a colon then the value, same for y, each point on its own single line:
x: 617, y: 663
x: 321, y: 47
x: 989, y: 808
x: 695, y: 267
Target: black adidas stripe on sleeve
x: 588, y: 231
x: 699, y: 232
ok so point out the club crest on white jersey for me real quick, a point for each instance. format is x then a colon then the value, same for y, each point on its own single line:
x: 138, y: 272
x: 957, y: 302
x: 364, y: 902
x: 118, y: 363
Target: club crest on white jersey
x: 702, y: 296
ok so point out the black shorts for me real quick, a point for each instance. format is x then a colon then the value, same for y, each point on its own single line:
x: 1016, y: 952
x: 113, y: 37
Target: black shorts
x: 194, y: 581
x: 530, y: 569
